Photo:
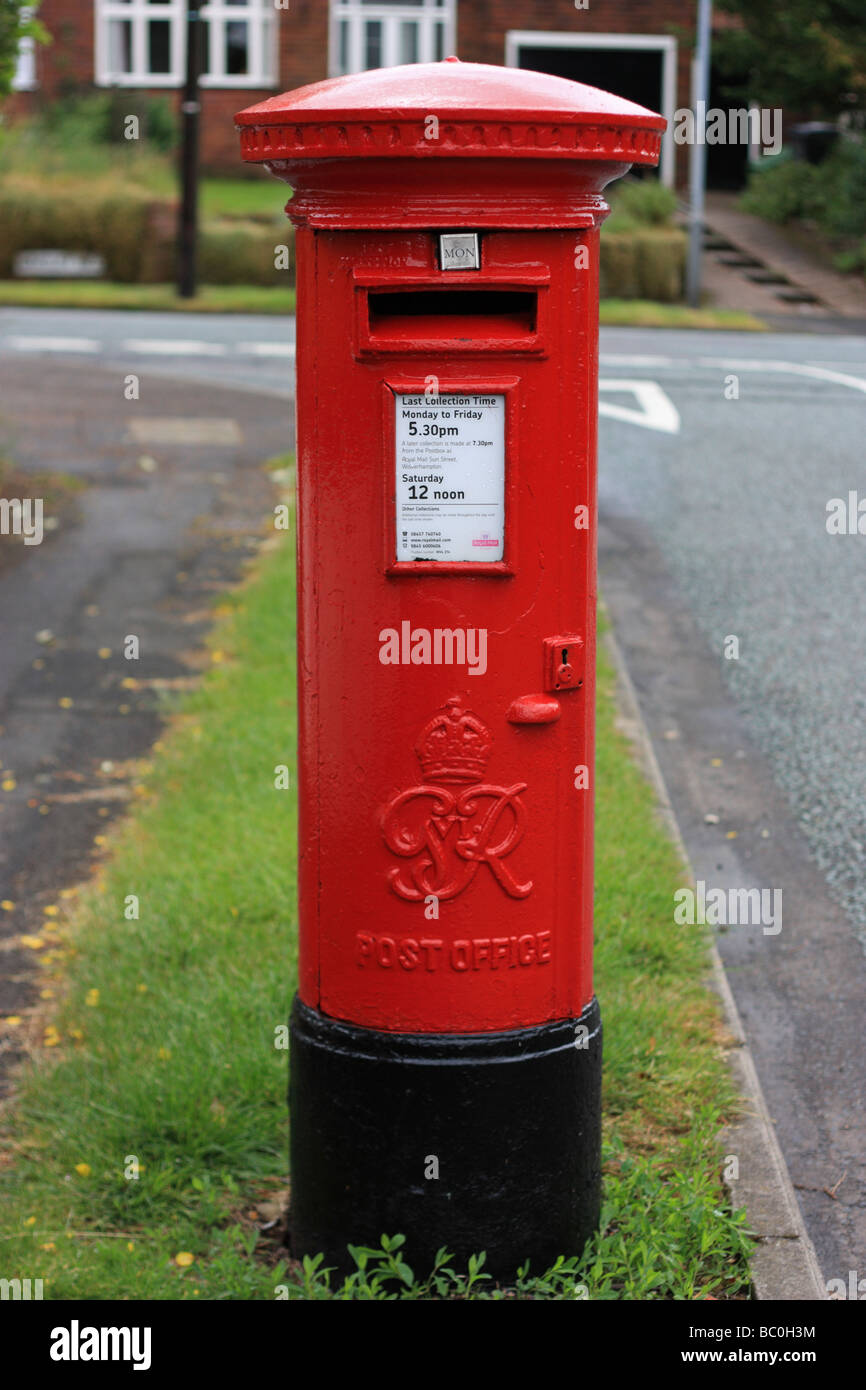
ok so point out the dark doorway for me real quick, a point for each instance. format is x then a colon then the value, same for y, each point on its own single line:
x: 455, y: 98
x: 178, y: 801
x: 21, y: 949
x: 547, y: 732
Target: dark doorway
x: 633, y: 73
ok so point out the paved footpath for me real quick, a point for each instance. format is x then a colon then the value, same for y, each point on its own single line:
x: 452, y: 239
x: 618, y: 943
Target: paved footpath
x: 176, y: 501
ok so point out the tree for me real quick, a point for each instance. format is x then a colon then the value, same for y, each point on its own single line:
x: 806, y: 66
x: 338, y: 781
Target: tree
x: 807, y: 56
x: 16, y: 23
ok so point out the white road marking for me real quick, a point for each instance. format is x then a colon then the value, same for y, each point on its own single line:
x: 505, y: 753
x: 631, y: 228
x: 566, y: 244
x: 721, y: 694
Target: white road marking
x: 627, y: 359
x: 174, y: 347
x: 656, y: 409
x: 857, y: 383
x: 33, y: 344
x: 182, y: 429
x: 267, y: 349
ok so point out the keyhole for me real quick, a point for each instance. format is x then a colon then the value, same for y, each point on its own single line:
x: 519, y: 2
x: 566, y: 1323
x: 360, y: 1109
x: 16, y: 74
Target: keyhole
x: 565, y: 656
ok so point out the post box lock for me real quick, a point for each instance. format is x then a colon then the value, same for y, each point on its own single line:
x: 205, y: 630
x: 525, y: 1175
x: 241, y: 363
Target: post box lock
x: 564, y: 662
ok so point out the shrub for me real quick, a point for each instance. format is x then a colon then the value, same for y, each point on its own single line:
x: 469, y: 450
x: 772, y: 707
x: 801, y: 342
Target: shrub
x: 134, y: 232
x: 643, y: 263
x: 618, y: 268
x: 832, y: 193
x: 644, y: 202
x: 661, y: 262
x: 243, y: 253
x: 115, y: 223
x: 781, y: 189
x: 98, y: 118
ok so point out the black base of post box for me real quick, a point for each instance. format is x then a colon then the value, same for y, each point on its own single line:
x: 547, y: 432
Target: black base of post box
x: 510, y: 1122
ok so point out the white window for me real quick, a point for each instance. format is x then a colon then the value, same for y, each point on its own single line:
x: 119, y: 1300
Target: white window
x: 142, y: 43
x: 382, y: 33
x: 24, y: 79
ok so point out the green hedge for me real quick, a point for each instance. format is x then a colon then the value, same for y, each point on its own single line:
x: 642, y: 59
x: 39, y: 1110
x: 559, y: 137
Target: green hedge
x: 115, y: 224
x: 136, y: 234
x: 243, y: 253
x: 645, y: 263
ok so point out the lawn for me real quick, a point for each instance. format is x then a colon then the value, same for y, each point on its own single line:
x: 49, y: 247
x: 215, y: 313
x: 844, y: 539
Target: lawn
x: 68, y: 150
x: 146, y: 1155
x: 96, y: 294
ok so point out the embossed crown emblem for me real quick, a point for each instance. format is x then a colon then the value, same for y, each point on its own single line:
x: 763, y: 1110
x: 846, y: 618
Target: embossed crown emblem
x: 454, y: 746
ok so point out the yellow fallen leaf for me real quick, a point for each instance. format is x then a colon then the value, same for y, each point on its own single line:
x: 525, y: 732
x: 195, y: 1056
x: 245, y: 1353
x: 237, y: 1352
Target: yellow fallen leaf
x: 35, y: 943
x: 64, y: 702
x: 184, y: 1259
x: 104, y: 653
x: 8, y: 784
x: 83, y: 1170
x: 31, y: 1221
x: 12, y: 1021
x: 92, y: 999
x: 7, y: 905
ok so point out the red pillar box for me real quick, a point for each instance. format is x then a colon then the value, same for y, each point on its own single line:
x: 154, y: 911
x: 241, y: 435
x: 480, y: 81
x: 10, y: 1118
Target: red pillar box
x: 446, y: 1042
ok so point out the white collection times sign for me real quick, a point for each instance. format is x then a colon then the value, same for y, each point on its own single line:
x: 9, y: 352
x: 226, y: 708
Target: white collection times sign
x: 450, y: 461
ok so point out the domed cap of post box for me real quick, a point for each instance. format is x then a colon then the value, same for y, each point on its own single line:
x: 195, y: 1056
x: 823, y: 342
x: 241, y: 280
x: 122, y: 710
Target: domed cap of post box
x: 349, y: 141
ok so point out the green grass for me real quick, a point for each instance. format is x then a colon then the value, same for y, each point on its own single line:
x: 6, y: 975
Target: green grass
x: 260, y: 299
x: 70, y: 155
x: 211, y: 299
x: 261, y: 196
x: 165, y: 1032
x: 646, y: 313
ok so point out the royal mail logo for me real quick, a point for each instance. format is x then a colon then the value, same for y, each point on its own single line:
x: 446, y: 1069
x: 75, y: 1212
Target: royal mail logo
x: 486, y: 540
x: 454, y: 822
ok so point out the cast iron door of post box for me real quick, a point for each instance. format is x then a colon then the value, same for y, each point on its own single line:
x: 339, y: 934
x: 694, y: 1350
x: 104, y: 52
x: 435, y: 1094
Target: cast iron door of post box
x: 446, y: 1042
x: 452, y: 851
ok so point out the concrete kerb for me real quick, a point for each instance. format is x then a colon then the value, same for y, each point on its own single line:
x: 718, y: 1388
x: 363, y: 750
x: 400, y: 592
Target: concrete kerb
x: 784, y: 1265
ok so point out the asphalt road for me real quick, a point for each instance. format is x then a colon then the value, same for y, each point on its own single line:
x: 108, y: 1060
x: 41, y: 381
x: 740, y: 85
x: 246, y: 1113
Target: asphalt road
x: 719, y: 454
x: 713, y: 526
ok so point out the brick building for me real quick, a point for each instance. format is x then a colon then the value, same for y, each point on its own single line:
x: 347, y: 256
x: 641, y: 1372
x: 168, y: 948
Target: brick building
x: 640, y: 49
